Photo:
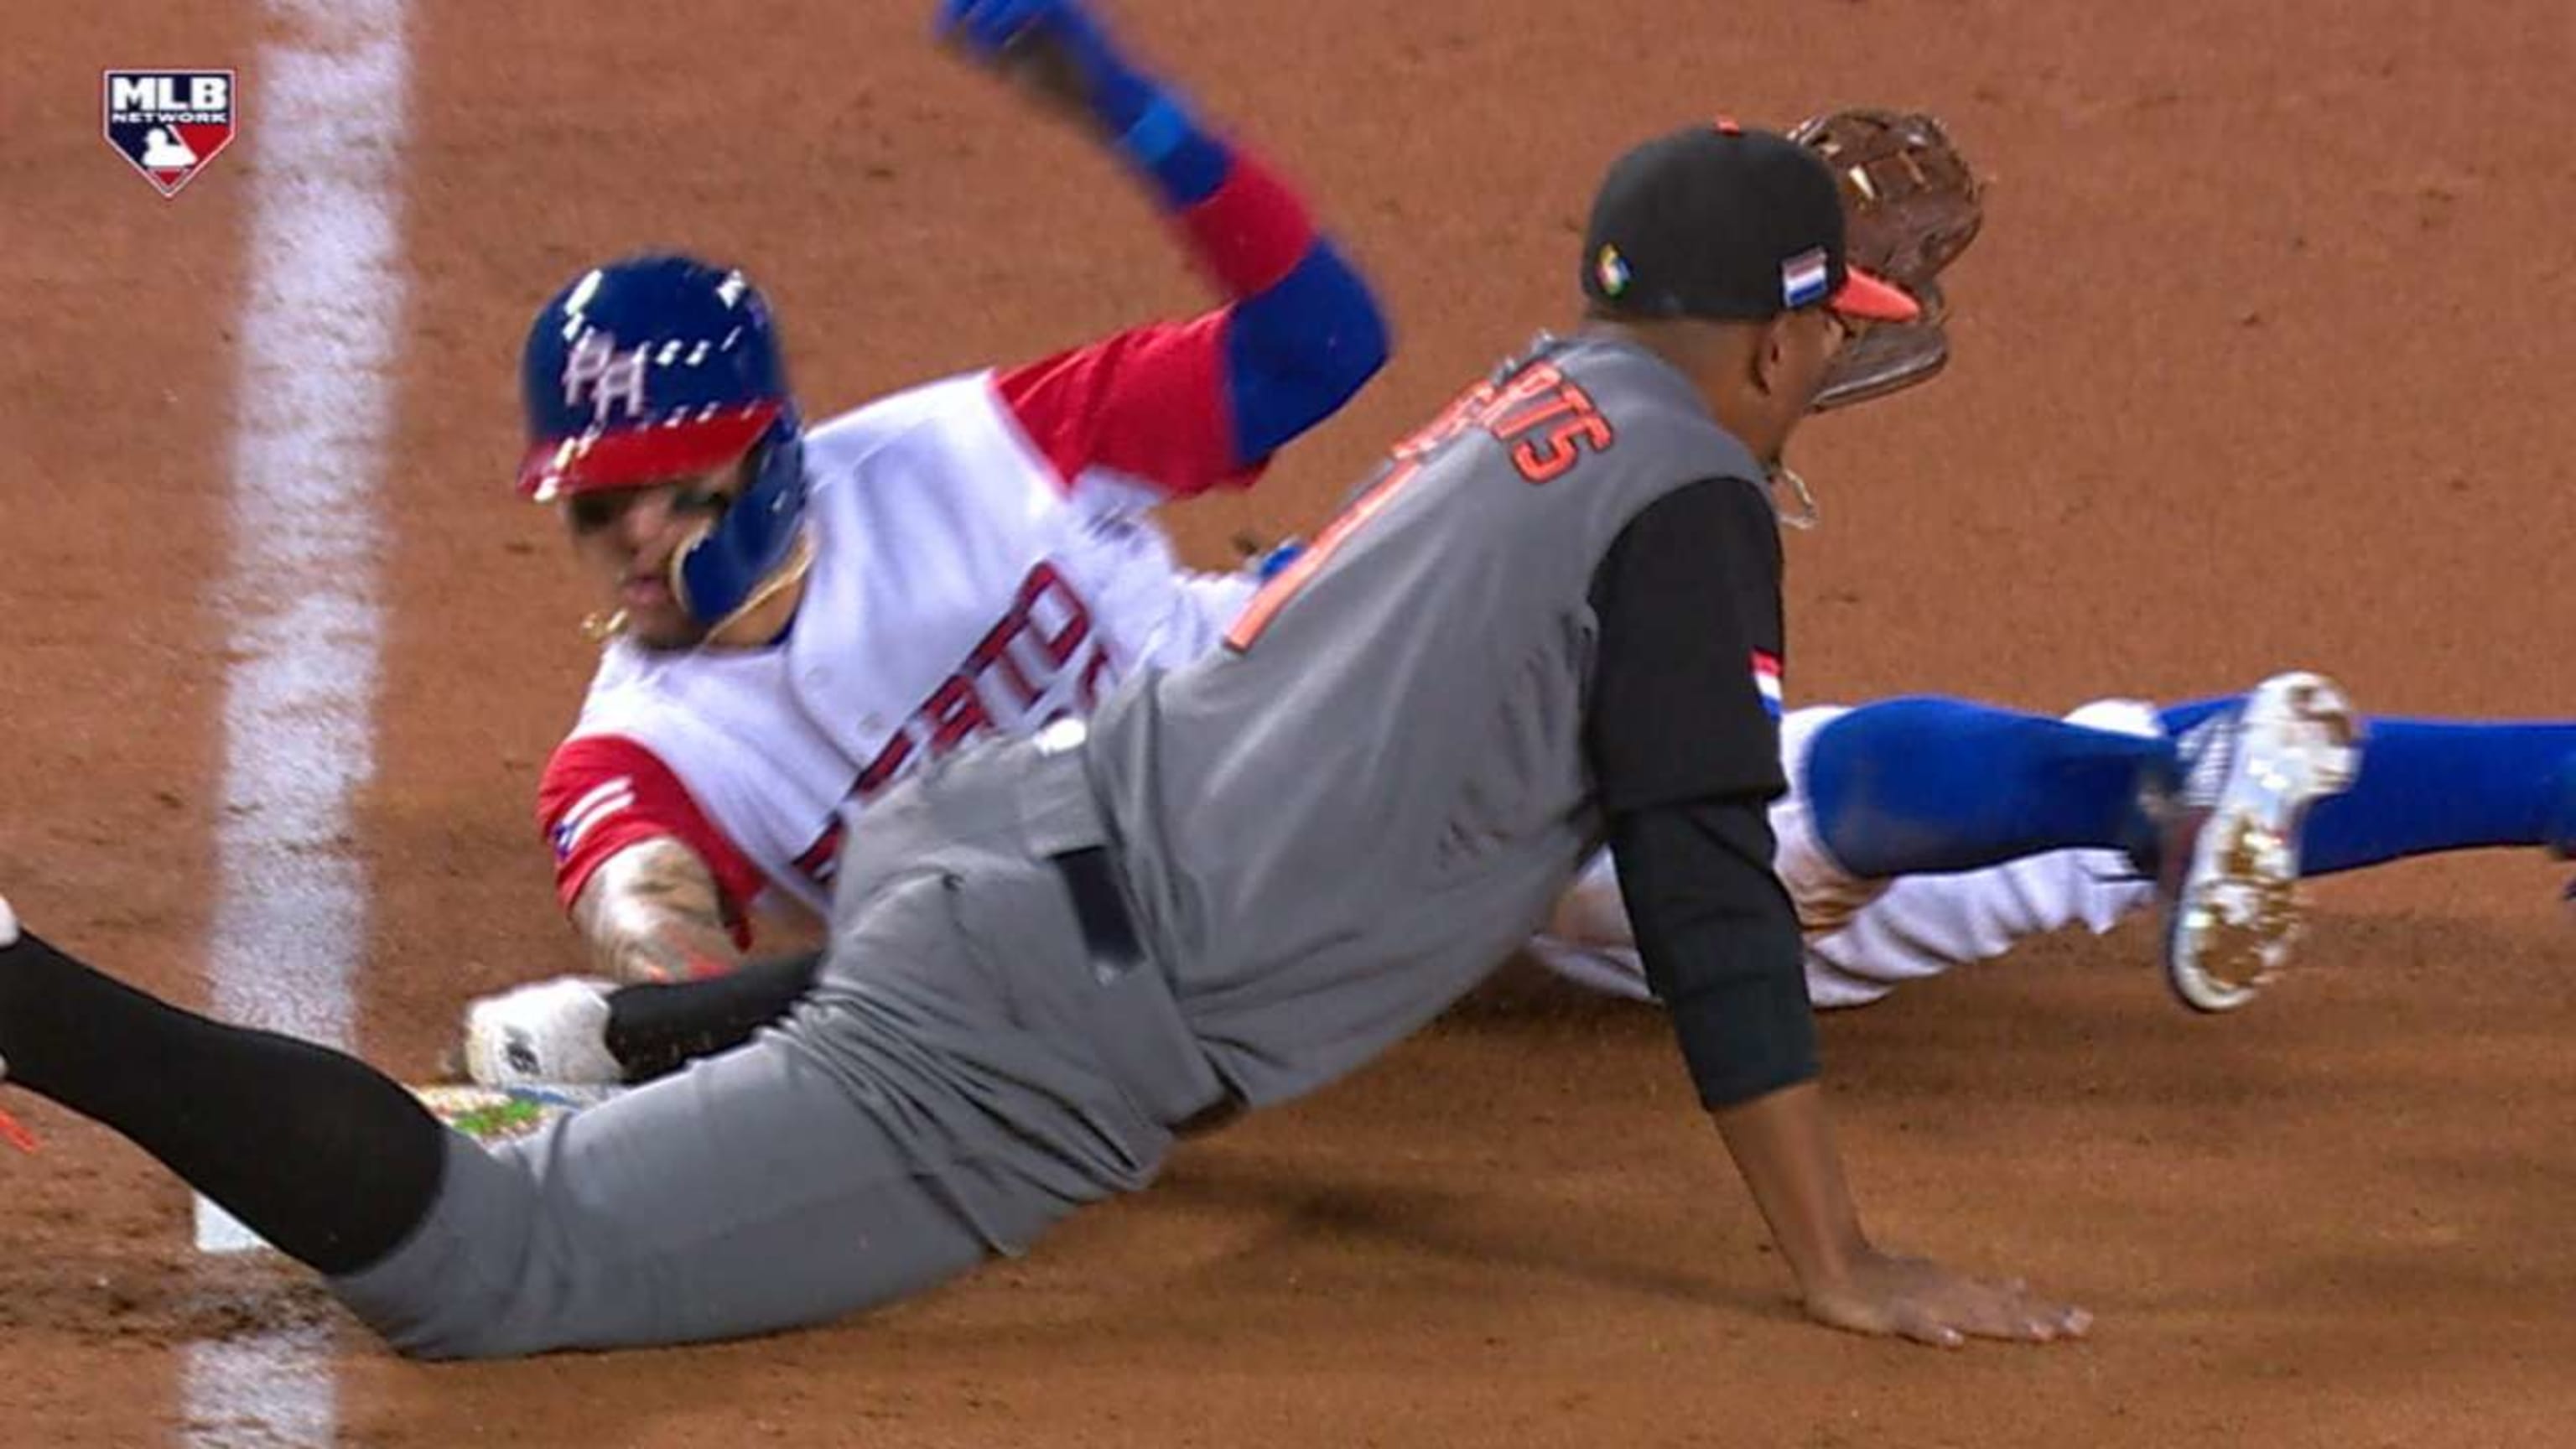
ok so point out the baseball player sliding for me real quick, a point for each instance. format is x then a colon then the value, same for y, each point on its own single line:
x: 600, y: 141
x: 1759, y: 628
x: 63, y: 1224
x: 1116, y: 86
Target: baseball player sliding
x: 1955, y: 871
x: 973, y: 556
x: 1957, y: 814
x: 969, y: 556
x: 698, y: 782
x: 1050, y: 957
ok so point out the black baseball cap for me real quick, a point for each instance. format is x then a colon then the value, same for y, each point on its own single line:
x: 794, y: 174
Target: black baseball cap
x: 1730, y: 224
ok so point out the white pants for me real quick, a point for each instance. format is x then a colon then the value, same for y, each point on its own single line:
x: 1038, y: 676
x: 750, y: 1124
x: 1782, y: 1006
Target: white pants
x: 1867, y: 937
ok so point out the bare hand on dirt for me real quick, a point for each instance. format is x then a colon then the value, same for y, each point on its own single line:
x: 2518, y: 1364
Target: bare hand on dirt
x: 1919, y: 1299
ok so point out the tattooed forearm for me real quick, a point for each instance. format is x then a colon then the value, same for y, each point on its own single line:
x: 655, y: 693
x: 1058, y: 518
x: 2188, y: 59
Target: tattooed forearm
x: 651, y: 912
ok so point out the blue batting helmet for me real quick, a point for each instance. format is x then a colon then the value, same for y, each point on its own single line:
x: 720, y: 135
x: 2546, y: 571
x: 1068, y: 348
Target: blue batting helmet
x: 658, y: 367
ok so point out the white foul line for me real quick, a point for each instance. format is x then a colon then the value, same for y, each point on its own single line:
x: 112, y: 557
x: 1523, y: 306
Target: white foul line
x: 322, y: 308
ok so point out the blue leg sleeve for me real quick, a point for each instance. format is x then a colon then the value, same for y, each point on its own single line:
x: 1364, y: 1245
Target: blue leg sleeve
x: 1916, y: 786
x: 2431, y: 785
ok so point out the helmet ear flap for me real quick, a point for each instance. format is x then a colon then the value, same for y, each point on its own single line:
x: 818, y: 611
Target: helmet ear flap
x: 753, y: 549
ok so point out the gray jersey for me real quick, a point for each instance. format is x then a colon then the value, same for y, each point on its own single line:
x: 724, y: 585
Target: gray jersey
x: 1328, y: 831
x: 1339, y: 824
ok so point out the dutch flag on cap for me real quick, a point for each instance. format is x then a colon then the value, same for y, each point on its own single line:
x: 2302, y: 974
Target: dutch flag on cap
x: 1802, y: 278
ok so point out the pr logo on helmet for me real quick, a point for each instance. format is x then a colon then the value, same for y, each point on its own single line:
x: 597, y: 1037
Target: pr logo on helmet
x: 611, y: 378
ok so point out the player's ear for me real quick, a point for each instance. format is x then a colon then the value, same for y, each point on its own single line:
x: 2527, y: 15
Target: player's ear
x: 1770, y: 354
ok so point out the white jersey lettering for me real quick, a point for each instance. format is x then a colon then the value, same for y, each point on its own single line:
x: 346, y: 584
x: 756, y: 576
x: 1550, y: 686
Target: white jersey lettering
x: 960, y: 588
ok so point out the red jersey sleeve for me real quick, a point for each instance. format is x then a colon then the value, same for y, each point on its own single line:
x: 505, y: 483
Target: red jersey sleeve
x: 1157, y: 403
x: 1146, y: 403
x: 603, y: 793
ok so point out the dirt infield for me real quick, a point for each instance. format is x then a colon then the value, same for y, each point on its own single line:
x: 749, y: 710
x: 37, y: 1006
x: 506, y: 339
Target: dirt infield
x: 2260, y: 365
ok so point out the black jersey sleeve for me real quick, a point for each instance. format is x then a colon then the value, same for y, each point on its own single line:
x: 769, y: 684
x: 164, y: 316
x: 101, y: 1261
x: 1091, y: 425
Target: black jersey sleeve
x: 1685, y: 746
x: 1688, y: 603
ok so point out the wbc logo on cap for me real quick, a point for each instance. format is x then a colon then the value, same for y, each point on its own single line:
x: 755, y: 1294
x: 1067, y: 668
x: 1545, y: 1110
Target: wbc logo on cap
x: 170, y: 123
x: 1803, y: 278
x: 1612, y: 271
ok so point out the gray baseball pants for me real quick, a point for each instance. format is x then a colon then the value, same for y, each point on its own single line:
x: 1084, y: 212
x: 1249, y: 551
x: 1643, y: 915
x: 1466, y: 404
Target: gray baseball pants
x: 964, y: 1075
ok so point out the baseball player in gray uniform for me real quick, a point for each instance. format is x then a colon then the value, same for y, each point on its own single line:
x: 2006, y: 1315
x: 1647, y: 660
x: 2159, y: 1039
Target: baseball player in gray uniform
x: 1558, y: 605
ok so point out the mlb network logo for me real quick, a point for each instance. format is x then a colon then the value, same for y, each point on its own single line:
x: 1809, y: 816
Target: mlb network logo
x: 170, y: 123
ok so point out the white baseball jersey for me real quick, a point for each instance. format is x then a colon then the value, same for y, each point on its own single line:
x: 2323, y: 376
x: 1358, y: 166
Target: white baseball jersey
x: 980, y: 564
x: 983, y: 562
x: 1867, y: 937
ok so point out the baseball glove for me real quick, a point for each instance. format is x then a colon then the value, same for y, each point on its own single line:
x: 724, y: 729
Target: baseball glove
x: 1889, y: 357
x: 1911, y: 205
